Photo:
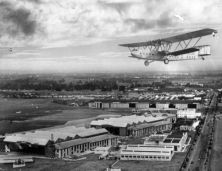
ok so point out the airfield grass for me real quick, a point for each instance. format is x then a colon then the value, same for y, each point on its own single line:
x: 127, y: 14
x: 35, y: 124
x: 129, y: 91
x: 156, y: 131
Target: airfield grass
x: 27, y: 114
x: 93, y: 164
x: 22, y: 109
x: 90, y: 163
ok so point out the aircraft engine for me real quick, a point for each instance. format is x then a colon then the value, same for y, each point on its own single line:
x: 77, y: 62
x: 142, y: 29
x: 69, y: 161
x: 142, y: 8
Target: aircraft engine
x: 166, y: 61
x: 146, y: 63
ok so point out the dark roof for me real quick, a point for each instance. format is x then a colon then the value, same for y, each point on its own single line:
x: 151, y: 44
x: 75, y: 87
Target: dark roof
x: 70, y: 143
x: 175, y: 135
x: 176, y: 141
x: 167, y: 140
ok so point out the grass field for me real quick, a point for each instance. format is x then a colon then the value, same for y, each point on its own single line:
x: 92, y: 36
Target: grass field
x: 90, y: 164
x: 26, y: 114
x: 22, y: 109
x: 93, y: 164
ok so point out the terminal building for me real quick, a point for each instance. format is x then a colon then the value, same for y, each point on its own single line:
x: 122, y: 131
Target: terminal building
x: 60, y: 141
x: 134, y: 125
x: 159, y: 147
x: 146, y: 152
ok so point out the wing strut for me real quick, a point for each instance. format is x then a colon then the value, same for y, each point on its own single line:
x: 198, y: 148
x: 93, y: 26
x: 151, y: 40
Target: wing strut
x: 197, y: 41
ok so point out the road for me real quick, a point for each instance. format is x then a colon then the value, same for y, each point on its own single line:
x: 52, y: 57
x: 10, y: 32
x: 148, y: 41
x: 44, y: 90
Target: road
x: 216, y: 159
x: 194, y: 159
x: 198, y: 155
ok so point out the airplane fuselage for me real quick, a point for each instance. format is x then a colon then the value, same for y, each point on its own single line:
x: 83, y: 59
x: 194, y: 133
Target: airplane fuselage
x: 166, y: 56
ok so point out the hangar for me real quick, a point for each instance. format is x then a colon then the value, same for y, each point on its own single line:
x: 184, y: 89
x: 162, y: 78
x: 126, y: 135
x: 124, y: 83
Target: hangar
x: 48, y: 141
x: 134, y: 125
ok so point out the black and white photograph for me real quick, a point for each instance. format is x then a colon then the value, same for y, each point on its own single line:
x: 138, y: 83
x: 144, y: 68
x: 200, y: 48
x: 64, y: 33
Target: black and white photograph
x: 110, y: 85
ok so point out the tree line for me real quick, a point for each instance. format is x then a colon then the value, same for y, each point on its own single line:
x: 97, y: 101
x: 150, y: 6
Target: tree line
x: 35, y: 84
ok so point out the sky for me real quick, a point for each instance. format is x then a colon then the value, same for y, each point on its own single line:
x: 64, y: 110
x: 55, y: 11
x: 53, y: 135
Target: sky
x: 83, y: 35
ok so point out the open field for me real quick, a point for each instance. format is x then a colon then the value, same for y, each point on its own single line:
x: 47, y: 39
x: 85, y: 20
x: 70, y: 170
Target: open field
x: 26, y: 114
x: 93, y: 164
x: 22, y: 109
x: 90, y: 164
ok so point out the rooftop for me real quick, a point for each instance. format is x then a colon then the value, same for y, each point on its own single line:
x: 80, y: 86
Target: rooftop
x: 125, y: 121
x: 42, y: 136
x: 70, y: 143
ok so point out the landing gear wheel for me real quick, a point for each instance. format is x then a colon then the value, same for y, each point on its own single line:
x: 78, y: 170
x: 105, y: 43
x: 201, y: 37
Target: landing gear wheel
x: 203, y: 58
x: 166, y: 61
x: 146, y: 63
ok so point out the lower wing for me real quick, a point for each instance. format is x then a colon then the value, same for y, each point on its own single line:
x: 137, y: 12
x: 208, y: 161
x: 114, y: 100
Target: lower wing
x: 184, y: 51
x: 138, y: 57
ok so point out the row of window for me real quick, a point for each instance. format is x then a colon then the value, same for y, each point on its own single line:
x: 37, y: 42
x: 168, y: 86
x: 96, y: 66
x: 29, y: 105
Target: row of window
x: 145, y: 151
x: 82, y: 147
x: 144, y: 157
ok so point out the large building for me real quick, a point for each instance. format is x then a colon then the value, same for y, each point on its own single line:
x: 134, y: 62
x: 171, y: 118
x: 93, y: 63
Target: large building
x: 146, y: 152
x: 134, y: 125
x: 81, y: 145
x: 145, y: 104
x: 188, y: 113
x: 59, y: 141
x: 177, y: 140
x: 156, y: 147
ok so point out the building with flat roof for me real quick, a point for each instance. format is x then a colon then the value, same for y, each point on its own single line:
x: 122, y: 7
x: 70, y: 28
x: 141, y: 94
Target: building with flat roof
x: 188, y: 113
x: 189, y: 126
x: 176, y: 140
x: 146, y: 152
x: 134, y: 125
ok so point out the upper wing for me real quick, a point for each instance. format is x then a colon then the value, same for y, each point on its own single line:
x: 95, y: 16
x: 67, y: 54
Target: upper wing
x: 184, y: 51
x: 190, y: 35
x: 173, y: 39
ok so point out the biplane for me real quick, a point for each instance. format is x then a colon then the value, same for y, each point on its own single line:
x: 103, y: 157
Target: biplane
x: 175, y: 48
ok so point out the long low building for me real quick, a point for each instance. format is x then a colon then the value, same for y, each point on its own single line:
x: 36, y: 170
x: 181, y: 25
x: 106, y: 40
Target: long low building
x: 141, y: 104
x: 134, y: 125
x: 146, y: 152
x: 55, y: 141
x: 188, y: 113
x: 77, y: 146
